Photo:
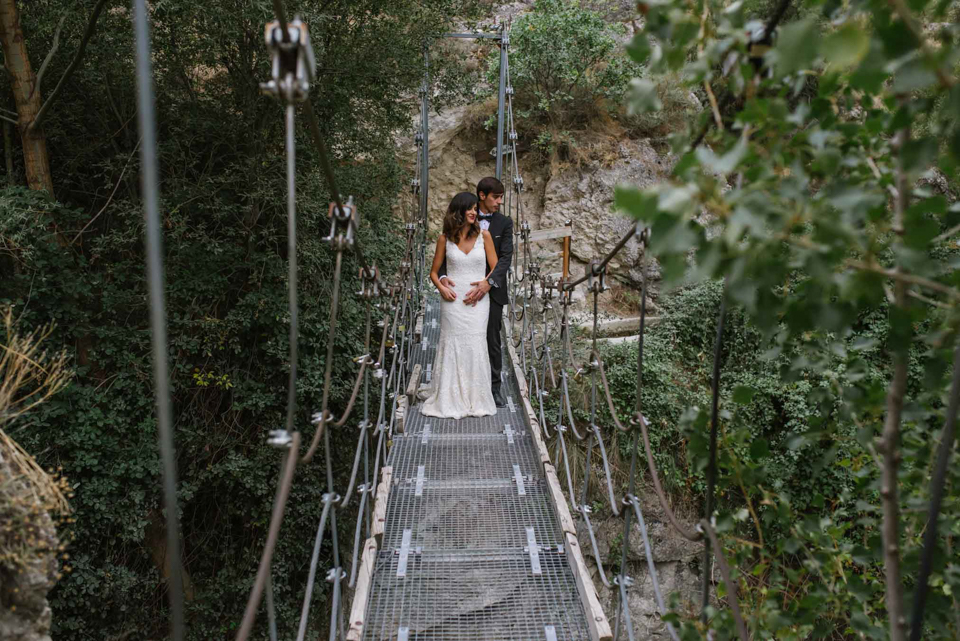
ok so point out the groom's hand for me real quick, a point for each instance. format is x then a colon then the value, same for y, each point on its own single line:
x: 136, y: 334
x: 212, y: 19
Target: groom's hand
x: 475, y: 295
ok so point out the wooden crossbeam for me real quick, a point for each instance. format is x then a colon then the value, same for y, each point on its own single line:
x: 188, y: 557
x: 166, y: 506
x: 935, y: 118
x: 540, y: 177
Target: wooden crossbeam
x: 548, y: 234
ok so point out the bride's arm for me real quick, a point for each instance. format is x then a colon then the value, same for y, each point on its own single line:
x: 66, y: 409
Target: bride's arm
x: 490, y: 251
x: 438, y: 256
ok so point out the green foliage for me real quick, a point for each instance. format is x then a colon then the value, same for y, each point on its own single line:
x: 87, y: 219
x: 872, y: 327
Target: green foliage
x: 567, y: 67
x: 79, y: 260
x: 815, y: 206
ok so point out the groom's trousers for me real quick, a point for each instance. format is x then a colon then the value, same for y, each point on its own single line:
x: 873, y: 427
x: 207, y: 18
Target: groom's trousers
x: 493, y: 343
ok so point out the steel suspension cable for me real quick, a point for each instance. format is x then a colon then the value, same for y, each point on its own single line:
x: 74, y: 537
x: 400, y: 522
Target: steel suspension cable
x: 150, y: 181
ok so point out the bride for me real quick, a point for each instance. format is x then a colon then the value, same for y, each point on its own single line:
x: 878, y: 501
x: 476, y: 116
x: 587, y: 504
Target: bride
x: 461, y: 369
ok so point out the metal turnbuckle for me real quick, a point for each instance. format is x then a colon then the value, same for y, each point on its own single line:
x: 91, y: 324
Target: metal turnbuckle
x: 293, y: 65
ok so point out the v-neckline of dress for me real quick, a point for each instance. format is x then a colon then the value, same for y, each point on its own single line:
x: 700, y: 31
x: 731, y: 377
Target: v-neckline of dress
x: 472, y: 248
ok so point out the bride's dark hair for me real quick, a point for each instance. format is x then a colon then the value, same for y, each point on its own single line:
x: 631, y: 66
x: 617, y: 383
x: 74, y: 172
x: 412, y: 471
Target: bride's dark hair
x: 456, y: 216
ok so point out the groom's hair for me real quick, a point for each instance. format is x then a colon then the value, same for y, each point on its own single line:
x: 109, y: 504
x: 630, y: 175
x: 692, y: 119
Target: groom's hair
x: 489, y: 185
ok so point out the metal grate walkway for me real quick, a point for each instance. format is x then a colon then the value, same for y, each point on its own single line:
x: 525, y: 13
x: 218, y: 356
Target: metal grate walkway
x: 472, y: 547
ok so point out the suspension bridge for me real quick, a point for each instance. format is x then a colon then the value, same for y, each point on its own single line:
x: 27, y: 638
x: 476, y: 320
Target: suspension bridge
x: 464, y: 529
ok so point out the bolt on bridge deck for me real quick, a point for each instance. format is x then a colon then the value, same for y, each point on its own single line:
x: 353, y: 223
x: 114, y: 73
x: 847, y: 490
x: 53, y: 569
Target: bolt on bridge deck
x: 472, y: 545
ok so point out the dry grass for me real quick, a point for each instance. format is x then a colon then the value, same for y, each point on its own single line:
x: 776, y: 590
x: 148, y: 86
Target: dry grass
x: 29, y: 375
x: 476, y: 115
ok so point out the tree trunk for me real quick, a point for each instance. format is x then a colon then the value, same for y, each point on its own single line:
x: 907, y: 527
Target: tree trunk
x: 8, y: 153
x: 23, y: 81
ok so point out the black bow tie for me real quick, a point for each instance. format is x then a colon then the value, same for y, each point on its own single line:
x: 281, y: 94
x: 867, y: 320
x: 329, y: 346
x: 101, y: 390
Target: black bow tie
x: 484, y: 216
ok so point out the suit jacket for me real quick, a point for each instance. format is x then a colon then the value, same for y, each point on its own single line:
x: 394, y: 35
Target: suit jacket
x: 501, y: 229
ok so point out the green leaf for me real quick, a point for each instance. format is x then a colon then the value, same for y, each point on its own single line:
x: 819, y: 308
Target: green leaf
x: 639, y: 48
x: 846, y: 46
x: 797, y: 46
x: 913, y: 76
x: 759, y: 449
x: 723, y: 164
x: 643, y: 96
x: 637, y: 203
x: 955, y: 143
x: 743, y: 394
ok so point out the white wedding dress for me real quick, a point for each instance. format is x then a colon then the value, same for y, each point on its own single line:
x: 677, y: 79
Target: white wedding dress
x: 461, y: 370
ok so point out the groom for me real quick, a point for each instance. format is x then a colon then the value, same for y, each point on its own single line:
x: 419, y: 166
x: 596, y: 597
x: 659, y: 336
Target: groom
x: 490, y: 192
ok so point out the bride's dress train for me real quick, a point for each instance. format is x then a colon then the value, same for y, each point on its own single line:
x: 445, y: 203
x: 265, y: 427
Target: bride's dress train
x: 461, y: 370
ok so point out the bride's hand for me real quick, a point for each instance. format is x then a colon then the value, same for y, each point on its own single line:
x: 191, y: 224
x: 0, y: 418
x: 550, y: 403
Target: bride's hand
x: 447, y: 293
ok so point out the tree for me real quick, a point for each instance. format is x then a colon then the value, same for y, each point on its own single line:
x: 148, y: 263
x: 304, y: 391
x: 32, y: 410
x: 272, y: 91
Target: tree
x: 566, y: 66
x: 23, y: 81
x: 825, y: 169
x: 25, y: 85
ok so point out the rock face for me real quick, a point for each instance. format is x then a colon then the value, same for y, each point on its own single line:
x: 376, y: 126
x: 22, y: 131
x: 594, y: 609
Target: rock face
x: 28, y: 569
x: 553, y: 194
x: 584, y: 194
x: 676, y: 561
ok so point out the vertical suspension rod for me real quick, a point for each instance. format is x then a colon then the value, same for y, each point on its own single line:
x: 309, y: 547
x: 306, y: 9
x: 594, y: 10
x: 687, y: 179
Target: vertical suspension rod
x: 501, y: 101
x: 425, y: 156
x: 712, y: 463
x: 158, y: 327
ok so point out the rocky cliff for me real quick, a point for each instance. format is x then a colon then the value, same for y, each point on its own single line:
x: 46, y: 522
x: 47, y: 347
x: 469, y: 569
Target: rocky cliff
x: 28, y: 558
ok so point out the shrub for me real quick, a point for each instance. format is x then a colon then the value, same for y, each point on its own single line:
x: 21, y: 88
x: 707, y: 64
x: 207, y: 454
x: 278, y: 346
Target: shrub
x: 567, y: 67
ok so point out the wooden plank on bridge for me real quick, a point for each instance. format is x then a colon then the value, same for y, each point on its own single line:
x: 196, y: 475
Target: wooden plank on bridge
x: 413, y: 385
x: 401, y: 414
x: 380, y: 505
x: 418, y: 329
x: 528, y: 408
x: 547, y: 234
x: 597, y: 621
x: 362, y: 594
x: 559, y: 500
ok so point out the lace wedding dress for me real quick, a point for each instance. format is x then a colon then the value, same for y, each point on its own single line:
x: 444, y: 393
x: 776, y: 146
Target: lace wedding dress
x: 461, y: 370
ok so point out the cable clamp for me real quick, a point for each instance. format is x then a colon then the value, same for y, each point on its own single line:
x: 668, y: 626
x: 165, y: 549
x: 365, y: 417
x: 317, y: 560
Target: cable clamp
x: 624, y: 580
x: 330, y: 497
x: 637, y: 417
x: 335, y: 575
x: 280, y: 439
x: 292, y: 64
x: 343, y: 225
x: 317, y: 418
x: 370, y: 283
